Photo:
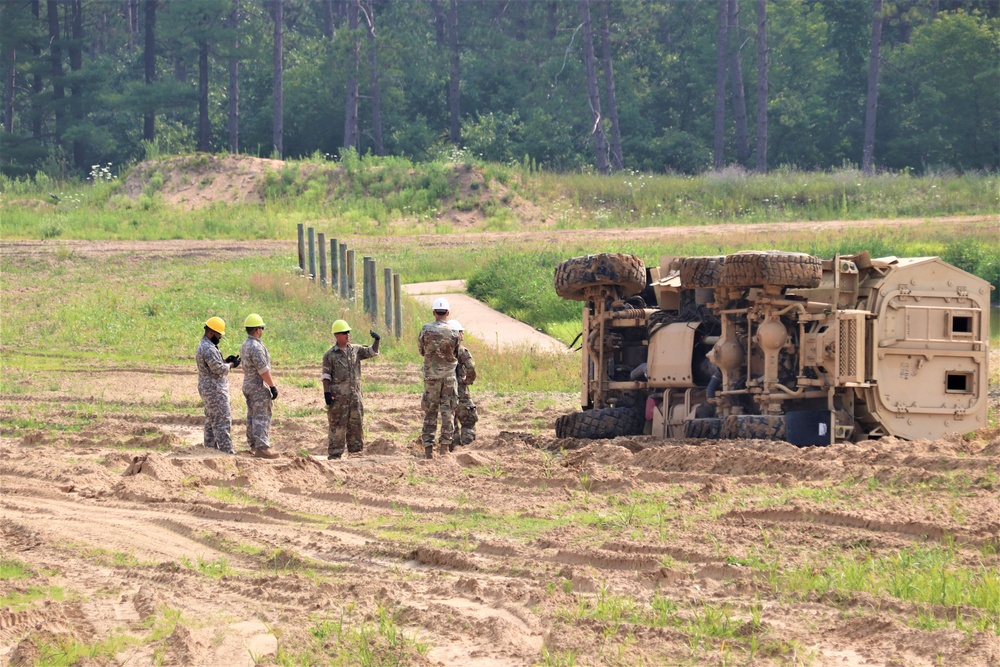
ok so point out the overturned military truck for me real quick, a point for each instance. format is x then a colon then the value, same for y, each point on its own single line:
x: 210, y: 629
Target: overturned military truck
x: 777, y: 345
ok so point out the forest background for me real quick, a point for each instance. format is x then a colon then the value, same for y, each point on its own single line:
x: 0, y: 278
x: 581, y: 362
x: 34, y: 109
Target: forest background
x: 653, y: 86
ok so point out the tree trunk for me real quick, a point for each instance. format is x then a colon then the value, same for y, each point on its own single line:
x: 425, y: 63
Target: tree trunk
x: 351, y: 109
x: 719, y: 144
x: 234, y: 81
x: 8, y: 100
x: 871, y: 107
x: 609, y: 86
x: 762, y: 86
x: 373, y: 67
x: 76, y: 88
x: 454, y: 106
x: 55, y: 60
x: 149, y: 67
x: 736, y: 77
x: 278, y: 131
x: 133, y: 26
x: 440, y: 23
x: 204, y: 130
x: 553, y: 19
x: 36, y: 81
x: 593, y: 94
x: 328, y: 19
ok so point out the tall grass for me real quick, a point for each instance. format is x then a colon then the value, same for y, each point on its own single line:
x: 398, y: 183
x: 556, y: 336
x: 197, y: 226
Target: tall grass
x: 734, y: 195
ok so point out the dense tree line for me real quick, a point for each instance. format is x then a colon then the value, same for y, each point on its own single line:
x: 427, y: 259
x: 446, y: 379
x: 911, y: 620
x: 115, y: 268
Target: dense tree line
x: 654, y: 85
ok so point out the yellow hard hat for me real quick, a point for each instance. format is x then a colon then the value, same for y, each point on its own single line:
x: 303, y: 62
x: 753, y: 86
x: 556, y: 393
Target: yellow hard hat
x: 253, y: 321
x: 341, y: 326
x: 216, y: 324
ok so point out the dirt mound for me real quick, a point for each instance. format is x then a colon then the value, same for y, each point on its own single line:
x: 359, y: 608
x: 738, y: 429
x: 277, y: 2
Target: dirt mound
x: 203, y: 180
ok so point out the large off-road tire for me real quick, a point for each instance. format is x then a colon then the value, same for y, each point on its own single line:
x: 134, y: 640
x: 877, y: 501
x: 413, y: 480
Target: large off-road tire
x: 703, y: 428
x: 701, y: 271
x: 601, y: 424
x: 754, y: 269
x: 575, y: 276
x: 754, y: 427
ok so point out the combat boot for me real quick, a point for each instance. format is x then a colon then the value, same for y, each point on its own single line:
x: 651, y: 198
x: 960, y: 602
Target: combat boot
x: 443, y: 448
x: 429, y: 452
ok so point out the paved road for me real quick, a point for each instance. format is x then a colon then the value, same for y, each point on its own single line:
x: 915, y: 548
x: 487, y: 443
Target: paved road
x: 481, y: 321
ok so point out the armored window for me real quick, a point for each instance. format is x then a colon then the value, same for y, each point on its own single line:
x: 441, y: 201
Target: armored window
x: 957, y: 382
x: 961, y: 325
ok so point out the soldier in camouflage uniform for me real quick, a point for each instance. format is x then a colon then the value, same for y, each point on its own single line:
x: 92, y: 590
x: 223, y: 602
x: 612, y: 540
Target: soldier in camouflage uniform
x: 258, y: 388
x: 465, y: 372
x: 341, y: 377
x: 213, y: 386
x: 438, y: 345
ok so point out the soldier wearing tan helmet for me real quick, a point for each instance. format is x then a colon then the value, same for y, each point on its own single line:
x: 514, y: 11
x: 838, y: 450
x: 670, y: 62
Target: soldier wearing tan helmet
x: 438, y: 345
x: 341, y: 377
x: 213, y: 386
x: 258, y: 388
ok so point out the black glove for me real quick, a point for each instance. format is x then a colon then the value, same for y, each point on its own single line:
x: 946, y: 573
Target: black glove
x: 233, y: 359
x: 274, y: 393
x: 328, y: 397
x: 375, y: 335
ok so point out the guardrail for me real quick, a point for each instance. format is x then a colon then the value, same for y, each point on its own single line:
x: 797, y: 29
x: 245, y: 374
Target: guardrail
x: 343, y: 276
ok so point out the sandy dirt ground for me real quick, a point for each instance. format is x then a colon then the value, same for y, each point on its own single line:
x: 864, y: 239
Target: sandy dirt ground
x: 125, y: 536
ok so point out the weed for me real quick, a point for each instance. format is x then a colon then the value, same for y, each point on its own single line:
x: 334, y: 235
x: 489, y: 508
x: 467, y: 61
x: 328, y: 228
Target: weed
x: 214, y: 569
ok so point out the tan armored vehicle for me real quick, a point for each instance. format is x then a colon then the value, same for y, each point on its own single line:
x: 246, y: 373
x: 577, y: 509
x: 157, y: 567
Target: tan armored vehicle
x: 779, y: 346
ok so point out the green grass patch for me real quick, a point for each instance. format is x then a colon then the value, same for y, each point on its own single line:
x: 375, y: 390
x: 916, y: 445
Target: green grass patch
x: 232, y: 495
x: 213, y: 569
x: 20, y: 599
x: 12, y: 568
x: 930, y: 575
x: 350, y: 639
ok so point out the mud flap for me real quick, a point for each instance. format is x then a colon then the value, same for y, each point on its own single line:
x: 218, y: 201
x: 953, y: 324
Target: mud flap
x: 808, y: 428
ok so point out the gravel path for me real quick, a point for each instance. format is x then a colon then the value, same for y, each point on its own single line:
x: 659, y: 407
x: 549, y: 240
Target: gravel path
x: 481, y: 321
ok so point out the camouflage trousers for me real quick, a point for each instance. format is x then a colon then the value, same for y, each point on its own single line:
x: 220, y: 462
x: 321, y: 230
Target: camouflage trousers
x: 440, y: 395
x: 258, y: 417
x: 218, y: 421
x: 465, y: 420
x: 345, y: 421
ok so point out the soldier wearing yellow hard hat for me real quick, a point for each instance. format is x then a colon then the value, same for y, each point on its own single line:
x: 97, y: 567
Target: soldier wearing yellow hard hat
x: 345, y: 410
x: 213, y: 385
x: 259, y: 388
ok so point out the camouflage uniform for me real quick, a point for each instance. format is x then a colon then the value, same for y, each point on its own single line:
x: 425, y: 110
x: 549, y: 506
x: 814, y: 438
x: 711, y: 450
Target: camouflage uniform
x: 465, y: 414
x: 256, y: 360
x: 213, y: 387
x: 438, y: 345
x: 345, y: 418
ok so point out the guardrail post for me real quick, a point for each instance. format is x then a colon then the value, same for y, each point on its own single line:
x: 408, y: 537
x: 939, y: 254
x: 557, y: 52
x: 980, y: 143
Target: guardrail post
x: 334, y: 266
x: 312, y: 254
x: 302, y: 248
x: 321, y: 246
x: 397, y: 289
x: 387, y: 290
x: 351, y: 276
x: 366, y: 294
x: 343, y: 271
